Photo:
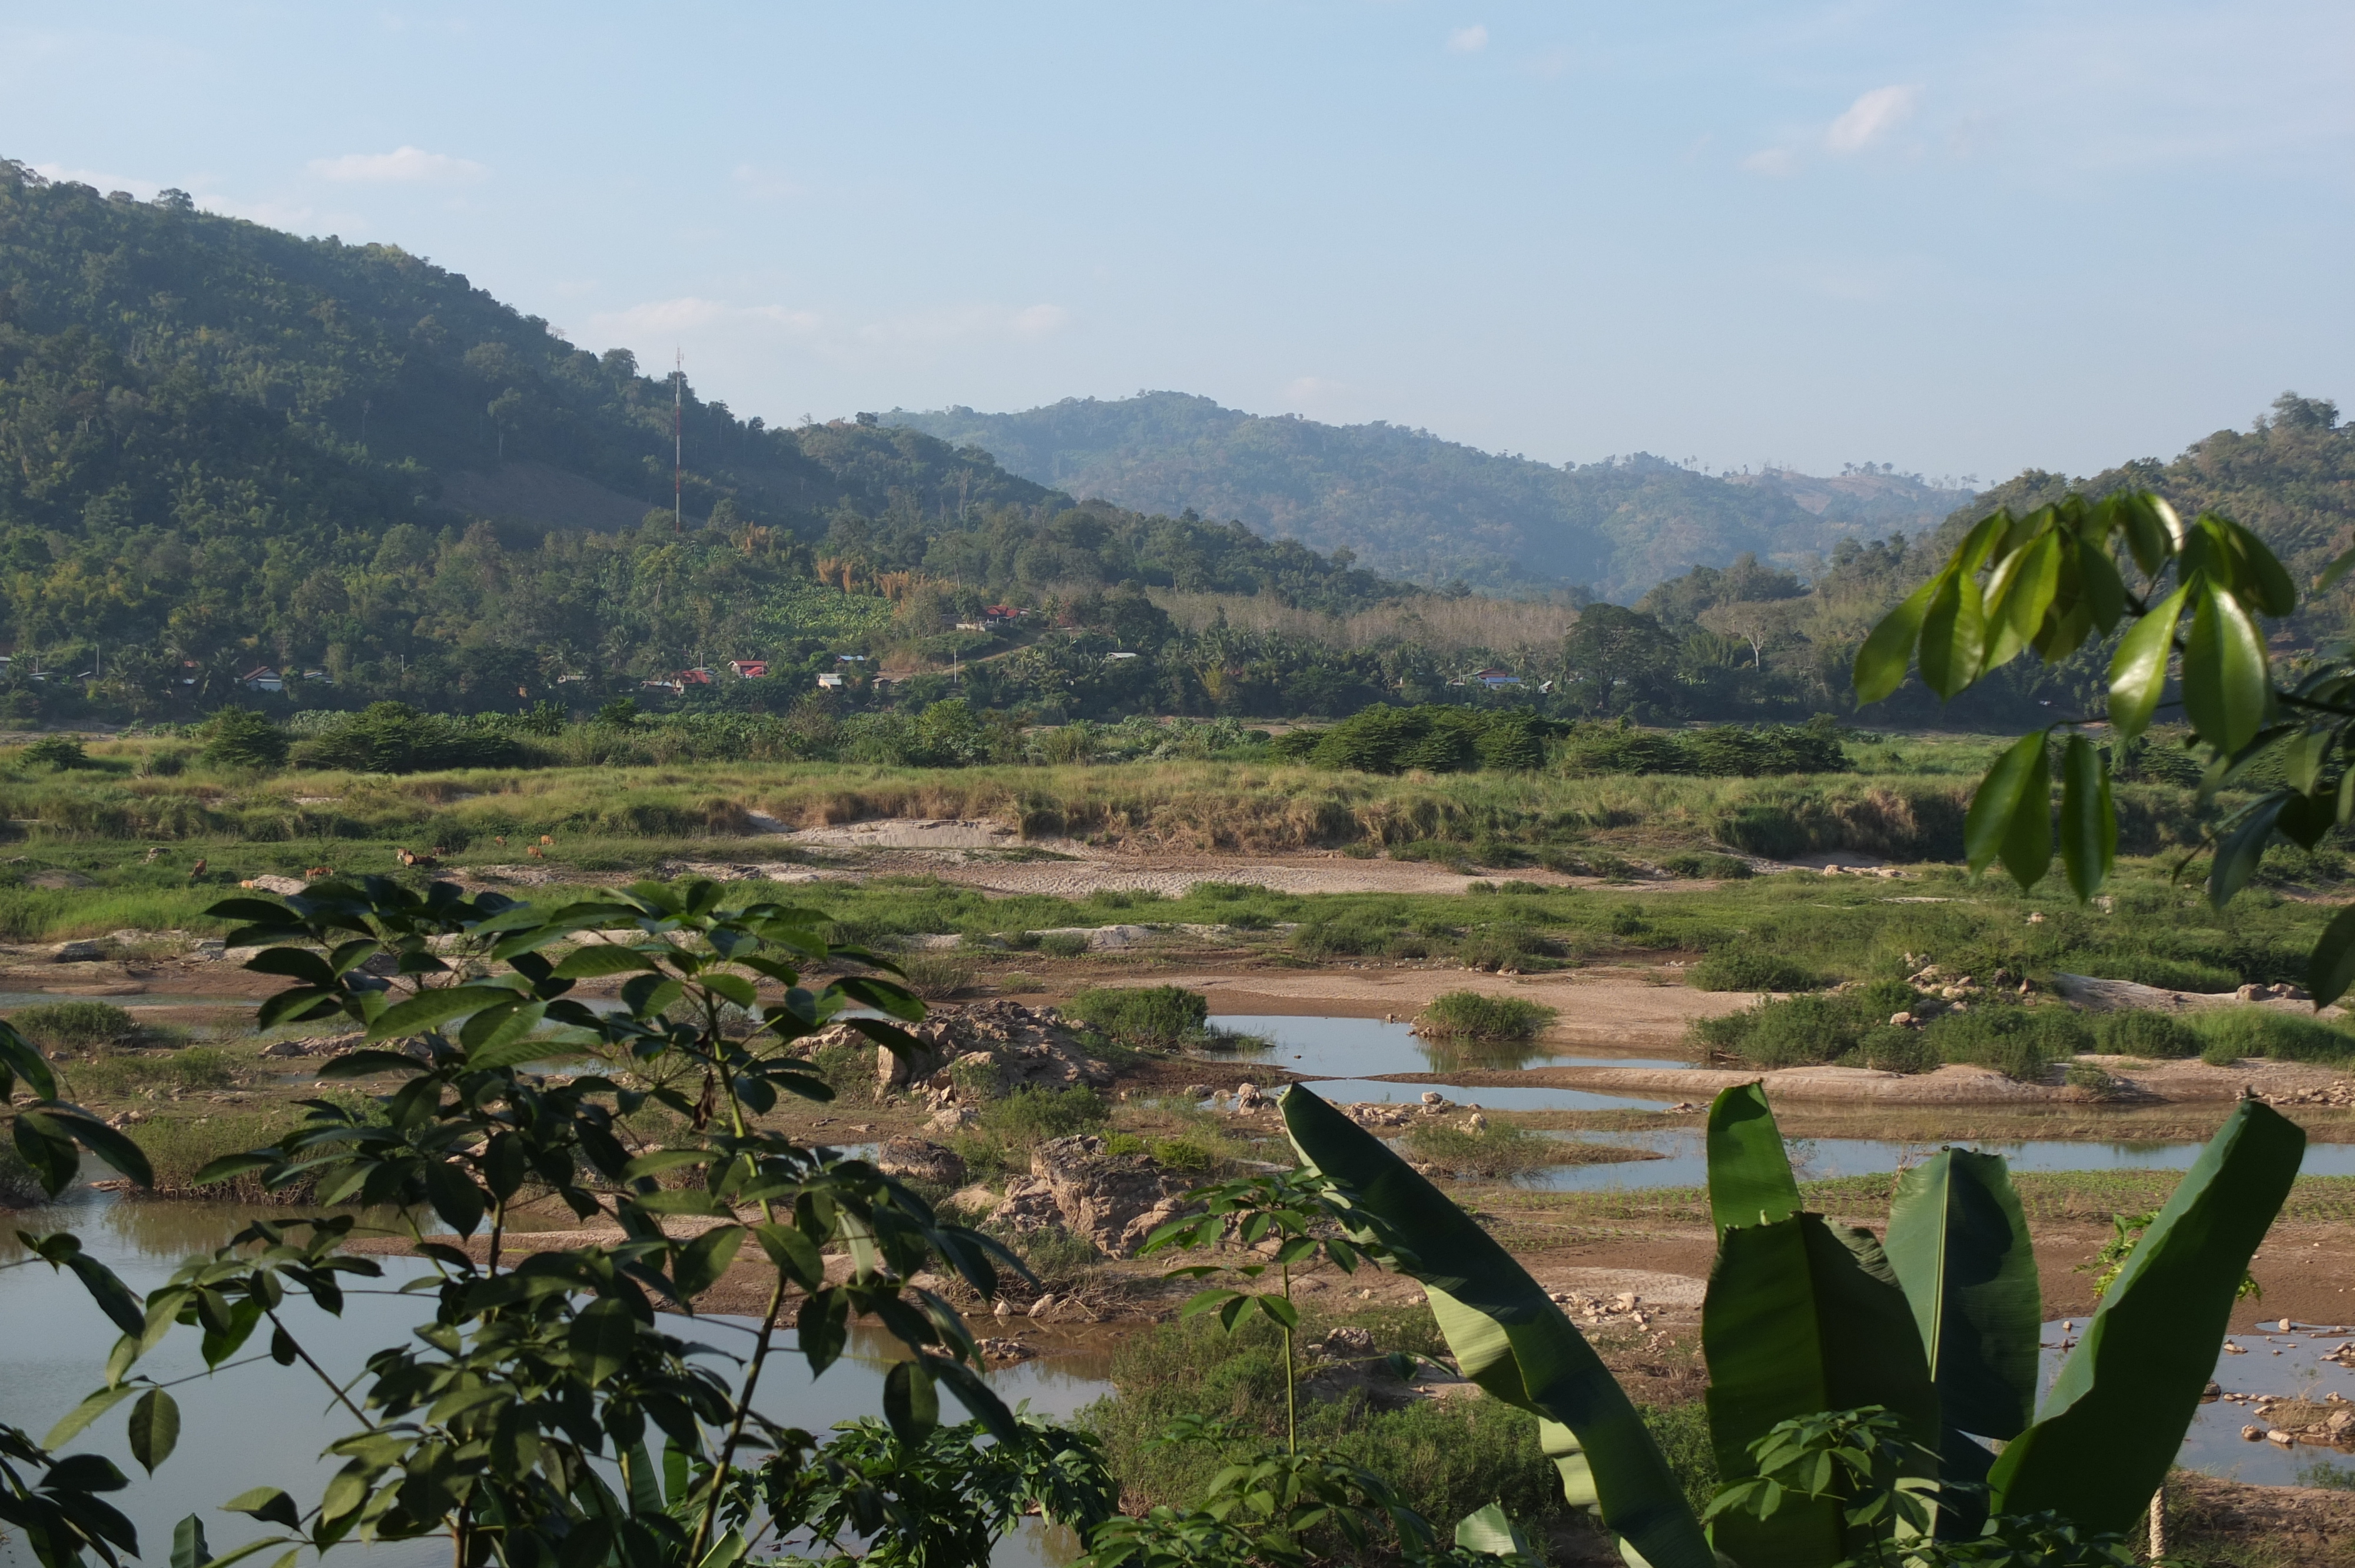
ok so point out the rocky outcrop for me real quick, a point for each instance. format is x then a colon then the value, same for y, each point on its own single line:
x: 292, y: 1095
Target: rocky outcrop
x: 914, y: 1159
x: 1022, y: 1046
x: 1116, y: 1201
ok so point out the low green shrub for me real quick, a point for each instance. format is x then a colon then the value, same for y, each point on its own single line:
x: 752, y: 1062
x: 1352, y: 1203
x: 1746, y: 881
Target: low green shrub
x: 1697, y: 867
x: 846, y: 1067
x: 1798, y: 1032
x: 1507, y: 947
x: 1063, y: 944
x: 935, y: 977
x: 1751, y: 971
x: 2233, y: 1032
x: 1492, y: 1152
x: 2021, y: 1043
x: 1885, y: 1049
x: 1032, y: 1114
x: 61, y: 752
x: 1469, y: 1015
x: 1350, y: 936
x: 2146, y: 1034
x: 2166, y: 973
x: 1161, y: 1016
x: 74, y: 1023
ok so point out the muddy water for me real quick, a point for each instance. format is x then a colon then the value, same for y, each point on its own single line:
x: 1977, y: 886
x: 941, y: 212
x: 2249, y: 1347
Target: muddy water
x: 1683, y: 1163
x: 1365, y: 1048
x: 256, y: 1424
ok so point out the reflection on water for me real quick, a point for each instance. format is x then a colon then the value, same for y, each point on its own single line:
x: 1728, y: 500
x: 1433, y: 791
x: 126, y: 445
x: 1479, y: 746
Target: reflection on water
x: 262, y: 1424
x: 1366, y: 1047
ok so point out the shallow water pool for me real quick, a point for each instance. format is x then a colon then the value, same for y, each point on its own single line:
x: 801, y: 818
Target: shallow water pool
x: 1368, y: 1047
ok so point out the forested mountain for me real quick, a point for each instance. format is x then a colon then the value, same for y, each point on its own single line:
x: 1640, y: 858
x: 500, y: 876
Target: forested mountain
x: 1415, y: 506
x: 221, y: 446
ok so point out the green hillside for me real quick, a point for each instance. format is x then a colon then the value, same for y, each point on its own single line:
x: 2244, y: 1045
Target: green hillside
x: 222, y: 445
x: 1415, y: 506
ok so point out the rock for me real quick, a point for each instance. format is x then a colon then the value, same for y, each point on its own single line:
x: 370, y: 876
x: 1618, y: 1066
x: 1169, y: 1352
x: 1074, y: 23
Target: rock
x: 977, y: 1196
x: 952, y: 1118
x: 1002, y: 1309
x: 1199, y: 1091
x: 2251, y: 1434
x: 1116, y: 1201
x: 1004, y: 1350
x: 1434, y: 1098
x: 1044, y: 1305
x: 1028, y: 1046
x: 1902, y: 1020
x: 282, y: 886
x: 2280, y: 1436
x: 58, y: 881
x: 78, y: 953
x: 1347, y: 1342
x: 914, y: 1159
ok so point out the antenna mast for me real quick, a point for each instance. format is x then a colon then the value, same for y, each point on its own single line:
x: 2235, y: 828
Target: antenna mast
x: 677, y: 441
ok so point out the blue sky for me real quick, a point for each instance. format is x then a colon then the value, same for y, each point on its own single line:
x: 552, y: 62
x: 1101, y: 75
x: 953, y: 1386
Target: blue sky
x: 1964, y: 239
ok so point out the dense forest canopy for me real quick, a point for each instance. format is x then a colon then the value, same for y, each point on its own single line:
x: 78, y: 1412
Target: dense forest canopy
x: 222, y: 445
x: 1428, y: 511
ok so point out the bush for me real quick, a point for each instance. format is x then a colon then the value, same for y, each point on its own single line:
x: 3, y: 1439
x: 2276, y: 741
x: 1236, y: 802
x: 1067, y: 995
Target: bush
x: 1802, y: 1032
x: 2235, y: 1033
x: 1497, y: 1151
x: 1888, y: 1049
x: 393, y: 737
x: 2148, y: 1034
x: 2166, y: 973
x: 1347, y: 937
x: 1697, y: 867
x: 239, y: 738
x: 74, y: 1023
x: 59, y: 751
x: 1469, y: 1015
x: 1031, y: 1115
x: 1163, y: 1016
x: 1750, y: 970
x: 1063, y: 944
x: 2021, y: 1043
x: 935, y: 977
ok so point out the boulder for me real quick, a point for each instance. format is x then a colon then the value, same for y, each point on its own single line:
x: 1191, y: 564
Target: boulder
x: 1028, y: 1046
x: 914, y: 1159
x: 1116, y: 1201
x: 83, y: 952
x: 285, y: 887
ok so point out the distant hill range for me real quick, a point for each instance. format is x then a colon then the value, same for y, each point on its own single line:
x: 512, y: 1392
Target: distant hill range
x: 1413, y: 507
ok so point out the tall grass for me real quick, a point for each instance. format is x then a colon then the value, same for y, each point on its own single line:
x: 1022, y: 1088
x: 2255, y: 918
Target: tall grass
x: 1469, y: 1015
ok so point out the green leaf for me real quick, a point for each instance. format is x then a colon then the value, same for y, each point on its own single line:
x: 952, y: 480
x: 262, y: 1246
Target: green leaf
x: 2331, y: 574
x: 1959, y: 1245
x: 1750, y: 1179
x: 267, y: 1504
x: 21, y: 1058
x: 453, y: 1195
x: 1954, y: 634
x: 2138, y: 669
x: 428, y: 1008
x: 701, y: 1261
x: 2115, y: 1420
x: 2225, y: 674
x: 2018, y: 594
x: 1510, y: 1339
x: 589, y: 963
x: 295, y: 963
x: 88, y: 1411
x: 911, y: 1401
x: 188, y: 1548
x: 2012, y: 812
x: 792, y: 1252
x: 1880, y: 662
x: 602, y: 1337
x: 154, y: 1428
x: 48, y: 1149
x: 367, y: 1064
x: 2089, y: 822
x: 2330, y: 968
x: 113, y: 1297
x: 1802, y: 1318
x: 1492, y: 1531
x: 2239, y: 851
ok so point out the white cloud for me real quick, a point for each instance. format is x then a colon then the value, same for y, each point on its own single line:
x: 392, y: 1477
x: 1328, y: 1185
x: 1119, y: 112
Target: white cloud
x: 1037, y: 321
x: 1774, y: 162
x: 1469, y: 40
x: 403, y: 165
x: 143, y: 189
x: 956, y: 324
x: 691, y: 313
x: 1872, y: 117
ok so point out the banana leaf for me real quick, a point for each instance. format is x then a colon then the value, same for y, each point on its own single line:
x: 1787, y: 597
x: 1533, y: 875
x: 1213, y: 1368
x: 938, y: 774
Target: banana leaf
x: 1801, y: 1316
x: 2117, y: 1415
x: 1750, y: 1181
x: 1510, y: 1339
x: 1959, y: 1245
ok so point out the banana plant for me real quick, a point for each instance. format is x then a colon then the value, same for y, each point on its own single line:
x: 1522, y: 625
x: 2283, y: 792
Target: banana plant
x: 1935, y: 1327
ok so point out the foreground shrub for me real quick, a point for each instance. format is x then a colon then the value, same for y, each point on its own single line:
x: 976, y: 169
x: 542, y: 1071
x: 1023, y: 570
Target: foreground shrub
x: 74, y: 1023
x: 1469, y: 1015
x: 1492, y: 1152
x: 1751, y: 971
x: 2148, y: 1034
x: 2235, y: 1033
x: 2021, y: 1043
x: 1159, y: 1016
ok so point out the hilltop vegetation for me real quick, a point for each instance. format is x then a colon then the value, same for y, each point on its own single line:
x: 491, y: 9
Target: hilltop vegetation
x: 1415, y: 506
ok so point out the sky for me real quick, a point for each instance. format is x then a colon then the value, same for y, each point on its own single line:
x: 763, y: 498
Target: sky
x: 1966, y: 239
